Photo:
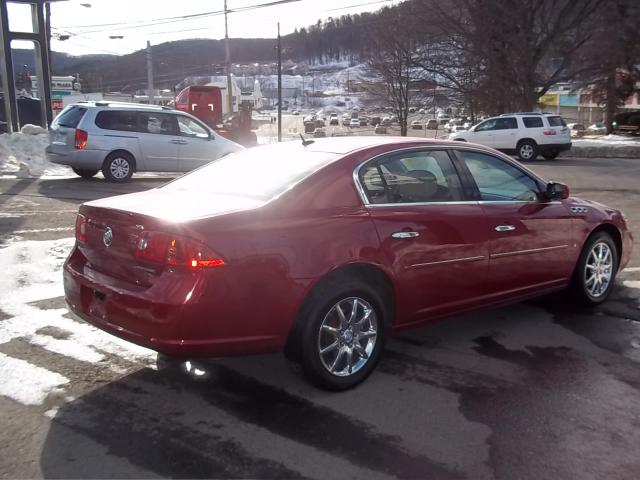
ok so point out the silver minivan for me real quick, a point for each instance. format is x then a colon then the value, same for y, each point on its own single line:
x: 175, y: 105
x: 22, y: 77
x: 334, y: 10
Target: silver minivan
x: 122, y: 138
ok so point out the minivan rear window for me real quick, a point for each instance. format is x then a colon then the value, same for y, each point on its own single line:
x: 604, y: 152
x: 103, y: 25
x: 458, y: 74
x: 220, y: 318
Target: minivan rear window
x: 71, y: 116
x: 556, y: 122
x: 117, y: 120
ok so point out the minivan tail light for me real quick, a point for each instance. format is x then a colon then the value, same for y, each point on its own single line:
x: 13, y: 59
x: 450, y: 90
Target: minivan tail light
x: 176, y: 251
x: 81, y: 139
x: 81, y: 228
x: 549, y: 132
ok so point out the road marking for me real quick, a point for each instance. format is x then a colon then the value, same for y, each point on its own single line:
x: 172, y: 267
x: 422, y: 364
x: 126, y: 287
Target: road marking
x: 39, y: 230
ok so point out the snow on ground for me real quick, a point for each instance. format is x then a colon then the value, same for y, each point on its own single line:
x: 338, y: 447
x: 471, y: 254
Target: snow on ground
x: 606, y: 140
x: 33, y: 273
x: 22, y: 154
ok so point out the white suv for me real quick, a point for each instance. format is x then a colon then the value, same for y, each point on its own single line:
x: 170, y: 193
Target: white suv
x: 525, y: 134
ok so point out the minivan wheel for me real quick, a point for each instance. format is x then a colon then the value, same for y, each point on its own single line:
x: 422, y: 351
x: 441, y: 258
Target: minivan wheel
x: 527, y: 150
x: 595, y: 272
x: 118, y: 167
x: 344, y: 335
x: 85, y: 172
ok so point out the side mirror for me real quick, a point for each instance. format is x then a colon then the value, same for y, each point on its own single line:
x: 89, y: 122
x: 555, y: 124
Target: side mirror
x: 556, y: 191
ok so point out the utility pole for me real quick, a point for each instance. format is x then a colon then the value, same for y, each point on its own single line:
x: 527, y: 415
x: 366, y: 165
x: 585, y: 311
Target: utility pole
x: 227, y: 60
x: 149, y: 74
x: 279, y: 86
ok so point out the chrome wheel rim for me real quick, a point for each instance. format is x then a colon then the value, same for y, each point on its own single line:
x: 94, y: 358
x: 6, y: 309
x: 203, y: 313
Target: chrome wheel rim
x: 526, y: 151
x: 598, y: 270
x: 347, y: 336
x: 119, y: 168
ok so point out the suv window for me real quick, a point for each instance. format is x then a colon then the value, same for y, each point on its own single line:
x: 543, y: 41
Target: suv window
x: 161, y: 123
x: 556, y: 122
x: 497, y: 180
x: 506, y: 123
x: 414, y: 177
x: 532, y: 122
x: 71, y: 116
x: 124, y: 120
x: 191, y: 128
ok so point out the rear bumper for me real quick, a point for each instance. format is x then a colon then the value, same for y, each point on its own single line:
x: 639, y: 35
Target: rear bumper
x: 554, y: 147
x: 90, y: 159
x: 180, y: 315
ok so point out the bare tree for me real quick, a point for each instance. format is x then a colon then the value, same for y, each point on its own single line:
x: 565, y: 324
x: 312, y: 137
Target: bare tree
x: 391, y: 64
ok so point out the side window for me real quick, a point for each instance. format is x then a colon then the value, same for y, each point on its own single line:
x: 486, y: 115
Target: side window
x: 487, y: 125
x: 415, y: 177
x: 117, y: 120
x: 497, y: 180
x: 160, y: 123
x: 191, y: 128
x: 532, y: 122
x: 506, y: 123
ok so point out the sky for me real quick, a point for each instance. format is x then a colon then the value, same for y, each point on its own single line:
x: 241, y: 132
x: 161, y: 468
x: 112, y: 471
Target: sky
x: 85, y: 21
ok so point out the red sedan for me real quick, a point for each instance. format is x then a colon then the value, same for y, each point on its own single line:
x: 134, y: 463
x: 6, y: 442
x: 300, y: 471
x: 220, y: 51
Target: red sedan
x: 322, y: 249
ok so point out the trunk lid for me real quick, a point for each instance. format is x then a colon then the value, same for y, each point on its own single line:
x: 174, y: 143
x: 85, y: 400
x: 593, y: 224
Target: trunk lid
x: 63, y: 129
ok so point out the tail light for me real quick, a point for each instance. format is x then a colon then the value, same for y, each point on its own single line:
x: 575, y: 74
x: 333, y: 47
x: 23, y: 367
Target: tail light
x: 176, y: 251
x: 81, y: 228
x: 81, y: 139
x: 549, y: 132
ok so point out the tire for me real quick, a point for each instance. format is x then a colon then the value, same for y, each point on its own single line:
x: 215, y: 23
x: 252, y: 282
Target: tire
x: 118, y: 167
x: 85, y: 172
x: 550, y: 155
x: 167, y: 363
x: 527, y: 150
x: 357, y: 340
x: 594, y: 258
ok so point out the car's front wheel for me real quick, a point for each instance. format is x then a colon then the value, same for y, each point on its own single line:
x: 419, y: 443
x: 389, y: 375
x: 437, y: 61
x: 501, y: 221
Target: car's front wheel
x: 344, y: 335
x: 85, y: 172
x: 596, y: 270
x: 527, y: 150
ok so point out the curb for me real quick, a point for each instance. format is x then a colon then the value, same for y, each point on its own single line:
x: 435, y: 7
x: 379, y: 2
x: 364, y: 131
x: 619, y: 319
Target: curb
x: 604, y: 151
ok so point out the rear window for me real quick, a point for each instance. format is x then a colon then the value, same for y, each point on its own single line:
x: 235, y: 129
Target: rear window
x: 260, y: 173
x: 117, y: 120
x: 71, y: 116
x: 532, y: 122
x: 556, y: 122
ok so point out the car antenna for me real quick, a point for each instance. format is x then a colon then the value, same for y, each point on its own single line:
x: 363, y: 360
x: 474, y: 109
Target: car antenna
x: 306, y: 142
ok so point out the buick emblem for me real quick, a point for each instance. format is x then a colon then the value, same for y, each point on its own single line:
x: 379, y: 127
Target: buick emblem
x: 107, y: 238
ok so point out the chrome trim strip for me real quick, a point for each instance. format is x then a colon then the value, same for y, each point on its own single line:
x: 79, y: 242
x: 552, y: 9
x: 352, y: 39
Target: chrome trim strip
x: 498, y: 202
x: 524, y: 252
x: 419, y: 204
x: 441, y: 262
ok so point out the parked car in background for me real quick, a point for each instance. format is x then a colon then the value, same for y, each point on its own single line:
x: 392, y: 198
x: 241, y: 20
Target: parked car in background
x: 597, y: 128
x: 380, y: 129
x: 363, y: 121
x: 458, y: 128
x: 354, y: 123
x: 626, y: 123
x: 577, y: 129
x: 523, y: 134
x: 123, y: 138
x: 295, y: 112
x: 416, y: 125
x: 333, y: 120
x: 432, y: 124
x: 375, y: 121
x: 218, y: 262
x: 386, y: 122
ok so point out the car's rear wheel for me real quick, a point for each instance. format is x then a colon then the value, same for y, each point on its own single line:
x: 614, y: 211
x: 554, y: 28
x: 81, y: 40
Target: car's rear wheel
x: 344, y: 335
x: 85, y: 172
x: 595, y: 272
x: 118, y: 167
x: 527, y: 150
x: 550, y: 155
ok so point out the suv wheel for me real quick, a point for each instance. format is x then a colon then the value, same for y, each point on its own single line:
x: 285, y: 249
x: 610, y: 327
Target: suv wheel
x: 118, y: 167
x: 85, y: 172
x: 527, y: 150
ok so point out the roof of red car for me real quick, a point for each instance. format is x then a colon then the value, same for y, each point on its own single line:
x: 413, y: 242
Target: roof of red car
x: 343, y: 145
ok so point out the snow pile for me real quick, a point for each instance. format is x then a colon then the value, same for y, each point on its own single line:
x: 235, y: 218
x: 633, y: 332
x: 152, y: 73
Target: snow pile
x: 22, y: 153
x: 608, y: 140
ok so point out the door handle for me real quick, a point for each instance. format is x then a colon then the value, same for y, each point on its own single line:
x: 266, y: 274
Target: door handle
x: 504, y: 228
x: 179, y: 142
x: 405, y: 235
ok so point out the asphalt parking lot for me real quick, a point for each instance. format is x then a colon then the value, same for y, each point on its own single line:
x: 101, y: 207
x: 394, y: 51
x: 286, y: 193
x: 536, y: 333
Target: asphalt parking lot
x: 534, y: 390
